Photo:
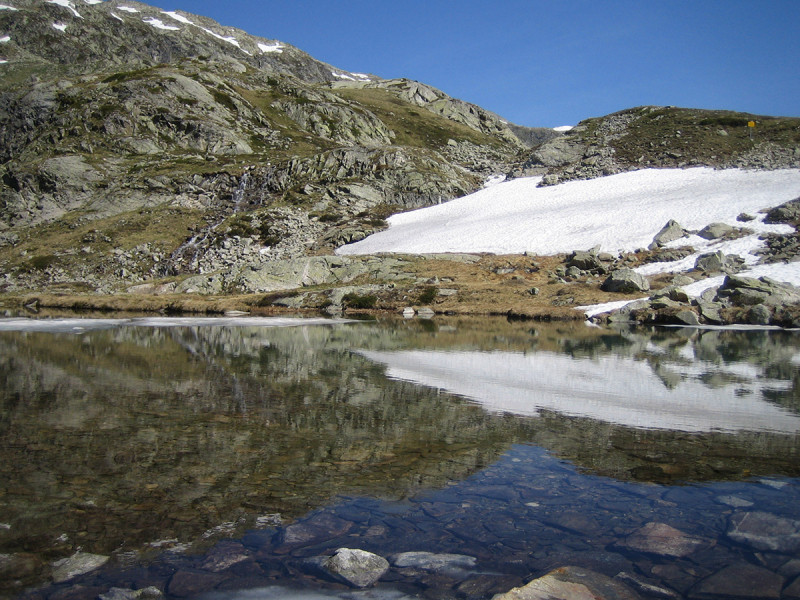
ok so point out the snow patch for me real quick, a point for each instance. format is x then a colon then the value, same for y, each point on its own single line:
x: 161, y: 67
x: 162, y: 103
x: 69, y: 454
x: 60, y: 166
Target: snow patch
x: 267, y: 48
x: 60, y: 26
x: 619, y: 213
x: 159, y: 24
x: 94, y: 1
x: 564, y: 128
x: 5, y: 39
x: 180, y: 18
x: 3, y: 62
x: 129, y: 9
x: 117, y: 17
x: 66, y: 4
x: 230, y: 39
x: 6, y: 7
x: 494, y: 180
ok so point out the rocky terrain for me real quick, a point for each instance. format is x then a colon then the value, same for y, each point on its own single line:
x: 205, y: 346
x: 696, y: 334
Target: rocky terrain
x: 145, y: 152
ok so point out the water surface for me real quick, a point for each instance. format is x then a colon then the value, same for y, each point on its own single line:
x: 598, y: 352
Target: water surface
x: 209, y: 456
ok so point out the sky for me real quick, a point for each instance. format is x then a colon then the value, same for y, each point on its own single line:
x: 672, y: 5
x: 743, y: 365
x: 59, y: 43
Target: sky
x: 548, y: 63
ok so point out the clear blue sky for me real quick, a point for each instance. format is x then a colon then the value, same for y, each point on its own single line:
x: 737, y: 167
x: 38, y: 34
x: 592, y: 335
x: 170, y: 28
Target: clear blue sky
x: 549, y: 62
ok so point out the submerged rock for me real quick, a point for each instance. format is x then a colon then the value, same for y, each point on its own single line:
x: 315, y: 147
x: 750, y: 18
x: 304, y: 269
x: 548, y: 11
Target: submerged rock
x: 741, y: 580
x: 572, y: 583
x: 77, y: 564
x: 357, y: 567
x: 765, y: 531
x: 428, y: 561
x: 661, y: 539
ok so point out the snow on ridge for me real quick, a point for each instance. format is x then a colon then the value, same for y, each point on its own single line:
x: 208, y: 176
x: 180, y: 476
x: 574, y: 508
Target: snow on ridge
x: 564, y: 128
x: 267, y: 48
x: 67, y: 4
x: 180, y: 18
x: 230, y: 39
x: 117, y: 17
x: 351, y: 76
x: 60, y: 26
x: 94, y: 1
x: 129, y: 9
x: 6, y: 7
x: 159, y: 24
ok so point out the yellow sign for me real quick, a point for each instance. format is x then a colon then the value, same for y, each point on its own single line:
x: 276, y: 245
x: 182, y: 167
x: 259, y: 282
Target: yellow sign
x: 751, y: 124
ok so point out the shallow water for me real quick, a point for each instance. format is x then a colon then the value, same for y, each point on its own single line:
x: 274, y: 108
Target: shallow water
x: 209, y: 456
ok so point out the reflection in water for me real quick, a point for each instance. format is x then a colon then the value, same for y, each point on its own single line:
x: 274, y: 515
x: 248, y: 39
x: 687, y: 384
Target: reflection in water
x: 125, y: 438
x: 623, y: 390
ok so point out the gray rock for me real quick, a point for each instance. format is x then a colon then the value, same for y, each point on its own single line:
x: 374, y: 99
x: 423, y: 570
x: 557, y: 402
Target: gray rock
x: 745, y: 218
x: 741, y: 580
x: 765, y: 531
x: 572, y: 583
x: 713, y: 262
x: 788, y: 212
x: 669, y: 233
x: 357, y: 567
x: 148, y: 593
x: 759, y: 315
x: 663, y: 540
x: 710, y: 312
x: 746, y: 291
x: 626, y: 281
x: 686, y: 317
x: 585, y: 261
x: 79, y: 563
x: 428, y: 561
x: 715, y: 231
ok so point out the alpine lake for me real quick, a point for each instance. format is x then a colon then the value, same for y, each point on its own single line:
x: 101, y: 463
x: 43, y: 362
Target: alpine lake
x: 227, y: 458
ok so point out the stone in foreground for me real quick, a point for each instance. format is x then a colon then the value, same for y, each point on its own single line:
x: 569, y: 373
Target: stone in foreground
x: 357, y: 567
x: 663, y: 540
x: 77, y: 564
x: 571, y: 583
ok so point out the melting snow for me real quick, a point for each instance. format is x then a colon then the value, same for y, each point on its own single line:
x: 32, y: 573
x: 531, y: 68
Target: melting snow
x: 3, y: 62
x: 177, y: 17
x: 5, y: 39
x: 230, y: 39
x: 66, y: 4
x: 351, y: 76
x: 129, y: 9
x: 93, y: 1
x: 5, y: 7
x: 60, y: 26
x: 159, y: 24
x: 267, y: 48
x: 117, y: 17
x: 564, y: 128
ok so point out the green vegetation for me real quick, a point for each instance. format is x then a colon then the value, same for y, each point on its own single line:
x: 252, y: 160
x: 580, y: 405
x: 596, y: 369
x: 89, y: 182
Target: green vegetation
x: 428, y: 295
x: 357, y: 302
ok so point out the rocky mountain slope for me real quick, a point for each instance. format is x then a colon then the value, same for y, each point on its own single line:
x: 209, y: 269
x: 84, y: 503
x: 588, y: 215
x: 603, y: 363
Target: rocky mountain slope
x: 139, y: 141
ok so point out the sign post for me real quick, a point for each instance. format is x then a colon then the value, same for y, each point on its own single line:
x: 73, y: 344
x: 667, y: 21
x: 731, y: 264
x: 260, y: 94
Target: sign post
x: 751, y: 125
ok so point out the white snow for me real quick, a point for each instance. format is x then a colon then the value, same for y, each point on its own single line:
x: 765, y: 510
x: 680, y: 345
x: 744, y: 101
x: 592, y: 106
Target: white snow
x: 60, y: 26
x: 159, y: 24
x: 267, y: 48
x: 180, y: 18
x: 3, y: 62
x: 564, y: 128
x: 5, y: 39
x: 6, y: 7
x: 617, y: 213
x: 494, y: 180
x: 66, y: 4
x: 610, y: 388
x: 94, y: 1
x: 230, y: 39
x: 129, y: 9
x: 117, y: 17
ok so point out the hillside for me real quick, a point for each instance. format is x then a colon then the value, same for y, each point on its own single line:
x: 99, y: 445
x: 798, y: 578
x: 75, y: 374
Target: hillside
x: 165, y: 137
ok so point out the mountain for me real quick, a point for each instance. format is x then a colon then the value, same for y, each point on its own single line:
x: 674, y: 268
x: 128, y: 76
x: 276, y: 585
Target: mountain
x: 163, y: 135
x: 153, y: 152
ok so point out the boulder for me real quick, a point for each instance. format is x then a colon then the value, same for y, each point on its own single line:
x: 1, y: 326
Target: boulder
x: 669, y: 233
x: 765, y: 531
x: 759, y: 315
x: 788, y: 212
x: 686, y: 317
x: 663, y: 540
x: 79, y: 563
x: 715, y: 231
x: 572, y: 583
x: 746, y: 291
x: 357, y: 568
x: 428, y: 561
x: 625, y: 281
x: 585, y: 261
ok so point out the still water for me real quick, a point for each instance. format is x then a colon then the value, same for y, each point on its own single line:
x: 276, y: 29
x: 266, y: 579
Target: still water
x: 218, y: 458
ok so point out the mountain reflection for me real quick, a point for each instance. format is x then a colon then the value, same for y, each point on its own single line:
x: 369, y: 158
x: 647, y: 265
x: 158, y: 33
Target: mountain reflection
x: 117, y: 438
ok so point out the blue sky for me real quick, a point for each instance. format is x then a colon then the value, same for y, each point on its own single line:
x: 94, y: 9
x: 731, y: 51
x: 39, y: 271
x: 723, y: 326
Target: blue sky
x: 549, y: 62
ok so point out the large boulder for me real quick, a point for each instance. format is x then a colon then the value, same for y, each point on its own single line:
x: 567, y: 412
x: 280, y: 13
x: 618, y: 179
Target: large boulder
x: 669, y: 233
x: 572, y: 583
x: 715, y: 231
x: 746, y: 291
x: 625, y: 281
x: 788, y: 212
x: 357, y: 567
